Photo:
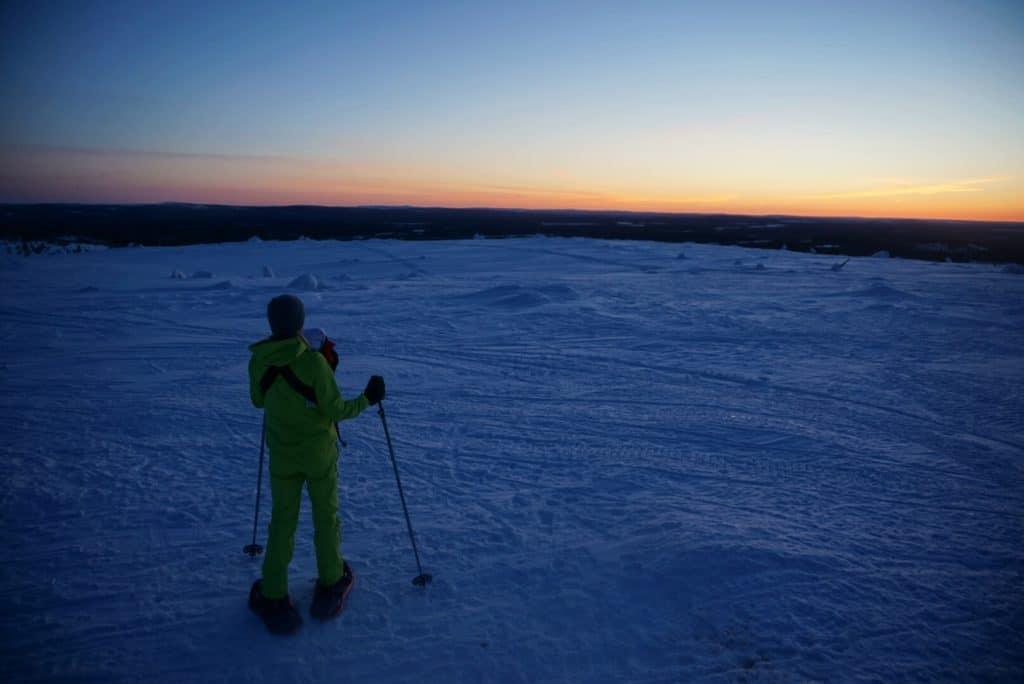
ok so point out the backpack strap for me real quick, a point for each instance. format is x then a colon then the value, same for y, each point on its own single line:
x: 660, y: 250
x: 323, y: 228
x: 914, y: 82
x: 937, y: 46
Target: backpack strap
x: 304, y: 390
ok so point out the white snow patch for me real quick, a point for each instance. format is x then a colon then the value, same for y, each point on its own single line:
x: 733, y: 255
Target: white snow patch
x: 306, y: 281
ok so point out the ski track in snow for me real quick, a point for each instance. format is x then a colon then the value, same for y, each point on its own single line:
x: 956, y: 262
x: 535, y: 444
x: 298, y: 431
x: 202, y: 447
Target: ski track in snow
x: 620, y: 465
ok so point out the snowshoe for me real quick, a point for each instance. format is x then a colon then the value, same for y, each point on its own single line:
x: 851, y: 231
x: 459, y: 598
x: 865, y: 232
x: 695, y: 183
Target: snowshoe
x: 328, y: 602
x: 279, y: 615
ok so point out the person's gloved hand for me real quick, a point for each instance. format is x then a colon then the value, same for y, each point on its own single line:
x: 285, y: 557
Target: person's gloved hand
x: 374, y: 390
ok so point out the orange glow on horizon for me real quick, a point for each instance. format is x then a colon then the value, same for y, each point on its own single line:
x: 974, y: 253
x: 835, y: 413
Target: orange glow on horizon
x: 95, y: 176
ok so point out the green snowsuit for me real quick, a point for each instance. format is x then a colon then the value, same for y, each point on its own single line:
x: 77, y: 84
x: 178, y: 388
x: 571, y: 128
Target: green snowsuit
x: 303, y: 449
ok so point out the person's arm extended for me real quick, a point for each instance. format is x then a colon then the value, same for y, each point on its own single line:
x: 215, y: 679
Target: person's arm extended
x: 329, y: 400
x: 255, y: 393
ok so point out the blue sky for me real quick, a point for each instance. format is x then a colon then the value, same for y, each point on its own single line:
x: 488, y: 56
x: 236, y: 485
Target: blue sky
x: 731, y: 103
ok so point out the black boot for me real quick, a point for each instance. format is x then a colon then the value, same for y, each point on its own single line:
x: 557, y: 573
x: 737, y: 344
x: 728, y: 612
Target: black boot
x: 279, y: 615
x: 328, y: 602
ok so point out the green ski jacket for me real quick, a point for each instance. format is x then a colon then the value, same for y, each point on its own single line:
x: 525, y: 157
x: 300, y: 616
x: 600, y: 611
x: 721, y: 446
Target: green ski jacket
x: 302, y: 436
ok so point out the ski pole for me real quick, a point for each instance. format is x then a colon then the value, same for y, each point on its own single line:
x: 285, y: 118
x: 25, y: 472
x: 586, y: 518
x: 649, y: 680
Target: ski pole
x: 255, y: 549
x: 423, y: 578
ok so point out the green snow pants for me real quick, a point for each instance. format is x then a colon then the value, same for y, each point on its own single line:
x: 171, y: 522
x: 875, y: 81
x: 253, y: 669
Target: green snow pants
x: 284, y: 517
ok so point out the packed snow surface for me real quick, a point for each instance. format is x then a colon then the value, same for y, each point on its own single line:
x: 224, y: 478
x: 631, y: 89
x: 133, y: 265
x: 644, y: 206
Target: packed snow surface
x: 621, y: 465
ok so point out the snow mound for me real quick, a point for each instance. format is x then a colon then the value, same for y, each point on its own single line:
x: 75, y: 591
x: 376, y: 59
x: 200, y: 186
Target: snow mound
x: 876, y: 291
x: 559, y: 293
x: 681, y: 255
x: 1013, y: 268
x: 254, y: 238
x: 178, y: 275
x: 518, y: 298
x: 268, y: 272
x: 202, y: 274
x: 521, y: 301
x: 881, y: 254
x: 510, y: 297
x: 223, y: 285
x: 307, y: 282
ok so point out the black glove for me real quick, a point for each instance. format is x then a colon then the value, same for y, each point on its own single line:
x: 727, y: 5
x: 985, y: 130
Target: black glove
x: 374, y: 391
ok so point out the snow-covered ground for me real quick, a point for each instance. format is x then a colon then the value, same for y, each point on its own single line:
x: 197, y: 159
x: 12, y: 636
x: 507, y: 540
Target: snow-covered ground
x: 621, y: 465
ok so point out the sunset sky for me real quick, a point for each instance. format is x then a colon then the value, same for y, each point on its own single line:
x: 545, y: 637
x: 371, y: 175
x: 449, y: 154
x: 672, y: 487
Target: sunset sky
x: 826, y: 108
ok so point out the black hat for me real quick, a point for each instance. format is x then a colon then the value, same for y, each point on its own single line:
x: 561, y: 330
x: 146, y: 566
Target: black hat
x: 286, y: 315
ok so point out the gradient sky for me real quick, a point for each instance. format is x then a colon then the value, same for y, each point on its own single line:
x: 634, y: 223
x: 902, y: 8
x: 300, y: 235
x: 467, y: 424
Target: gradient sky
x: 830, y: 108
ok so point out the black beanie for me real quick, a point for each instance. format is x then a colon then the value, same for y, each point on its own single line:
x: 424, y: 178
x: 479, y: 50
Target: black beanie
x: 286, y: 315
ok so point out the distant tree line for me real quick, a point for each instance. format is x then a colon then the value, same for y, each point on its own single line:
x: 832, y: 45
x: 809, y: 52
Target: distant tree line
x: 182, y: 224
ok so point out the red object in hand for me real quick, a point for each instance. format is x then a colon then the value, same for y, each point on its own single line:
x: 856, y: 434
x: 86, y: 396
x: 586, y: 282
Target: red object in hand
x: 327, y: 349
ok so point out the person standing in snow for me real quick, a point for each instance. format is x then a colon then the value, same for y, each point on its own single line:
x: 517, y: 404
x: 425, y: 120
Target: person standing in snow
x: 295, y: 387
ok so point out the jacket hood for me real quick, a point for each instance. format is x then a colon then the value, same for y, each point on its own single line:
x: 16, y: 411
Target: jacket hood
x: 272, y: 352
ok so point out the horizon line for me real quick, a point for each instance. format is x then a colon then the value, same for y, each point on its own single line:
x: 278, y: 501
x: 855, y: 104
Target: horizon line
x: 516, y: 209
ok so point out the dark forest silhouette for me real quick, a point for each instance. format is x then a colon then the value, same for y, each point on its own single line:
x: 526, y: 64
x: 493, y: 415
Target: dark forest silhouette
x: 179, y: 224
